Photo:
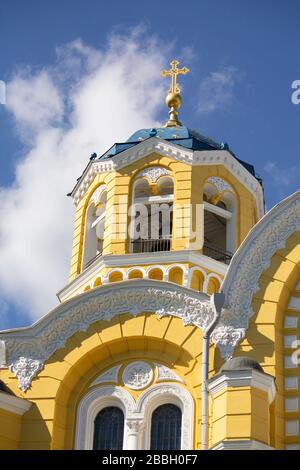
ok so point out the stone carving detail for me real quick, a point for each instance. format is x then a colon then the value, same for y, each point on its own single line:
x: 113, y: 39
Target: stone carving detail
x: 97, y: 193
x: 165, y: 374
x: 134, y: 425
x: 111, y: 375
x: 43, y: 339
x: 25, y: 369
x: 242, y: 278
x: 137, y: 375
x: 220, y: 184
x: 154, y: 172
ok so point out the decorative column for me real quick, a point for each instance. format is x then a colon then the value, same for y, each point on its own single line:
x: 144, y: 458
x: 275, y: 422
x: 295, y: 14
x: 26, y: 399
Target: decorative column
x: 134, y: 427
x: 241, y: 395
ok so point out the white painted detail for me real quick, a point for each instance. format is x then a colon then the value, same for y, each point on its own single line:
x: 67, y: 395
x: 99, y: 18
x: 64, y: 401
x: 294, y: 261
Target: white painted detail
x: 289, y: 340
x: 243, y: 378
x: 111, y: 375
x: 290, y: 322
x: 291, y: 383
x: 294, y: 303
x: 292, y: 428
x: 165, y: 374
x: 137, y: 414
x: 291, y: 405
x: 137, y: 375
x: 289, y: 363
x: 14, y: 404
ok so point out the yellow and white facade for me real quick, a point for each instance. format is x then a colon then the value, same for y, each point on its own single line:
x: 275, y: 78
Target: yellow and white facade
x: 130, y: 328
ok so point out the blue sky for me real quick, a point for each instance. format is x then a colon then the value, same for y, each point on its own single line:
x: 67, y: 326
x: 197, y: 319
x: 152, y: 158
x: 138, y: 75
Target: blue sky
x: 243, y: 58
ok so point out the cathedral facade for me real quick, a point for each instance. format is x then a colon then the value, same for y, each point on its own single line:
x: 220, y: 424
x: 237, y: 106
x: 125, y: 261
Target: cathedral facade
x: 179, y: 325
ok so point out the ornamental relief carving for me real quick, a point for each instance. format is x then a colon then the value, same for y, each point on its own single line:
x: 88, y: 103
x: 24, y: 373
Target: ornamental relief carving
x: 39, y: 342
x: 252, y: 259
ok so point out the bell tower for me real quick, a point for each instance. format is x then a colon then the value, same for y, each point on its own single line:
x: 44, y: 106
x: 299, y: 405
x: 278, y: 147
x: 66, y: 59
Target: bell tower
x: 168, y: 204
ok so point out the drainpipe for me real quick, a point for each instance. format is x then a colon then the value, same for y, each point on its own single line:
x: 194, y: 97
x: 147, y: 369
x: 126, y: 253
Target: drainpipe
x: 217, y: 302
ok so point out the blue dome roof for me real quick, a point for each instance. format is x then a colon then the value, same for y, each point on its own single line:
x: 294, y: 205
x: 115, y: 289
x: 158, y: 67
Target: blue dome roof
x: 183, y: 136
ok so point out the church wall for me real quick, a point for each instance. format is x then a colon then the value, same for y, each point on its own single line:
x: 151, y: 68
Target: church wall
x: 50, y: 422
x: 265, y: 335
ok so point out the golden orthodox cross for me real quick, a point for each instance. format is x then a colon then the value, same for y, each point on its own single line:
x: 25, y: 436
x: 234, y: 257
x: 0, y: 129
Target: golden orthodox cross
x: 173, y: 72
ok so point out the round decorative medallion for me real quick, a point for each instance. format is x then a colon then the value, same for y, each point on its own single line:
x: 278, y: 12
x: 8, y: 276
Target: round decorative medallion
x: 137, y: 375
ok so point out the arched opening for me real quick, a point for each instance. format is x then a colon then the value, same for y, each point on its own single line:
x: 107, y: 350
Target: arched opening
x: 213, y: 286
x: 115, y: 276
x: 109, y: 429
x: 176, y: 276
x: 156, y: 274
x: 152, y: 211
x: 87, y: 288
x: 166, y: 428
x: 94, y: 226
x: 135, y: 274
x: 219, y: 220
x: 197, y: 281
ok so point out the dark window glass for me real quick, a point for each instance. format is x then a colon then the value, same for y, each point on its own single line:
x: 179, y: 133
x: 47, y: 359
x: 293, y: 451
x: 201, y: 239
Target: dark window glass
x: 109, y: 429
x: 166, y: 428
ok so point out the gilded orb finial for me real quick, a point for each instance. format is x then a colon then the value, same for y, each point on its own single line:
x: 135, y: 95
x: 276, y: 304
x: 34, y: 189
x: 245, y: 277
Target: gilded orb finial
x: 173, y: 98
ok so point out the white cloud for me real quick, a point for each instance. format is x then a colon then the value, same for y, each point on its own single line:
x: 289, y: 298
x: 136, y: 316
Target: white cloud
x: 284, y: 176
x: 218, y: 90
x: 83, y: 103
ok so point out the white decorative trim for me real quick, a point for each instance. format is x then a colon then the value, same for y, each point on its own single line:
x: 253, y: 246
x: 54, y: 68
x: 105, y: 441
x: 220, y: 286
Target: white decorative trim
x: 167, y: 393
x: 243, y: 378
x: 111, y: 375
x: 153, y: 173
x: 220, y: 184
x: 165, y: 374
x: 137, y: 414
x: 28, y: 348
x: 247, y: 265
x: 107, y: 261
x: 15, y: 405
x: 243, y: 444
x: 171, y: 150
x: 137, y: 375
x: 2, y: 354
x: 95, y: 196
x: 91, y: 404
x: 25, y: 369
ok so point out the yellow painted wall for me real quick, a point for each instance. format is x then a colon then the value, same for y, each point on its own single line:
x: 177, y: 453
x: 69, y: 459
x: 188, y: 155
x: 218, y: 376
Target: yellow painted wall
x: 188, y: 189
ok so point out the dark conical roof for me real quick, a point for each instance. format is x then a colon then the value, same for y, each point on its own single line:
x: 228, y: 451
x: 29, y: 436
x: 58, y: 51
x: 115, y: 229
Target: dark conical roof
x: 241, y: 363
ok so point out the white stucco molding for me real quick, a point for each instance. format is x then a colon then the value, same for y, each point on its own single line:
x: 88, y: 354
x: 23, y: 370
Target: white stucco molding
x: 32, y: 346
x: 137, y: 414
x: 178, y: 152
x: 252, y: 258
x: 243, y: 378
x: 91, y: 404
x: 243, y: 444
x: 156, y: 260
x: 13, y: 404
x: 158, y: 395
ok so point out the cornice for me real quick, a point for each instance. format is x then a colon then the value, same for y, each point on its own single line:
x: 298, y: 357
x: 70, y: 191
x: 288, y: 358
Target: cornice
x: 141, y: 259
x: 28, y: 348
x: 252, y: 258
x: 243, y: 378
x: 13, y: 404
x: 243, y: 444
x: 171, y: 150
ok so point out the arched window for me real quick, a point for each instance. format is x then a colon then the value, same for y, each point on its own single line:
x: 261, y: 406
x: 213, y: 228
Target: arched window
x: 109, y: 429
x: 166, y: 428
x: 219, y: 220
x: 94, y: 226
x: 152, y: 211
